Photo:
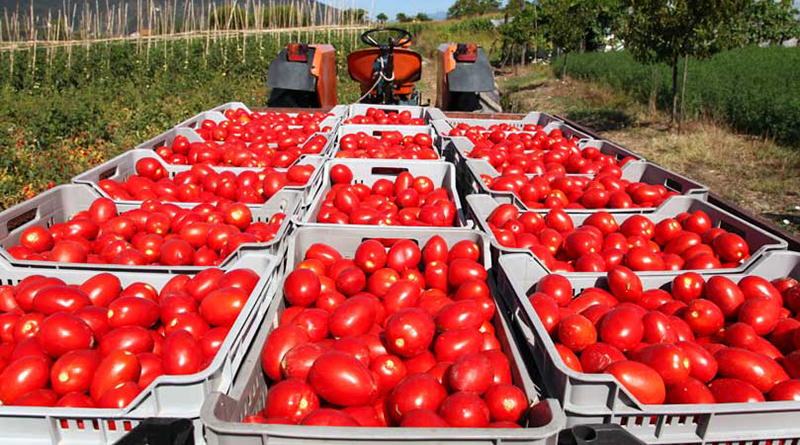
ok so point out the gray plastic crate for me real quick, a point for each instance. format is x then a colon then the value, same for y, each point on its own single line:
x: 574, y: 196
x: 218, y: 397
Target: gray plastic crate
x: 217, y: 115
x: 123, y: 166
x: 61, y: 203
x: 368, y: 171
x: 479, y: 207
x: 378, y: 130
x: 428, y: 114
x: 222, y: 413
x: 532, y: 118
x: 599, y: 398
x: 634, y: 171
x: 168, y: 395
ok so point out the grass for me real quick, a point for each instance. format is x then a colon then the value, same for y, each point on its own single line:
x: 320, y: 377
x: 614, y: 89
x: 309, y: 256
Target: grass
x: 755, y: 173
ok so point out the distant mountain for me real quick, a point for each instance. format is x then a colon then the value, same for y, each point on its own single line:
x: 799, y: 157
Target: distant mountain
x: 440, y: 15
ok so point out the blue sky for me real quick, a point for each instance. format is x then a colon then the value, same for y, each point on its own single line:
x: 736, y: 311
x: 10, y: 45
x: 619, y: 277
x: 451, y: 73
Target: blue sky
x: 392, y: 7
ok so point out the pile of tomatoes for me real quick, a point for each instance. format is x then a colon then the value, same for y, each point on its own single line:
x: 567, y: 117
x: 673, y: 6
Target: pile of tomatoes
x: 98, y: 344
x: 204, y: 184
x: 702, y: 341
x: 376, y: 116
x: 687, y: 241
x: 554, y: 189
x: 408, y: 201
x: 156, y: 233
x: 402, y: 337
x: 279, y: 150
x: 479, y: 132
x: 390, y: 145
x: 256, y: 126
x: 537, y: 153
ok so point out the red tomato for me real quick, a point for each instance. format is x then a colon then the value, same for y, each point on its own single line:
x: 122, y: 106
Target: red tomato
x: 292, y: 399
x: 596, y: 357
x: 689, y: 391
x: 704, y: 317
x: 788, y: 390
x: 409, y: 332
x: 671, y: 363
x: 342, y: 379
x: 622, y: 328
x: 354, y: 317
x: 642, y: 381
x: 301, y: 287
x: 624, y: 284
x: 734, y: 391
x: 422, y: 418
x: 557, y: 287
x: 471, y: 372
x: 222, y: 306
x: 417, y: 391
x: 116, y: 368
x: 182, y: 354
x: 21, y: 376
x: 279, y: 342
x: 465, y: 410
x: 576, y: 332
x: 752, y: 367
x: 73, y: 371
x: 62, y: 332
x: 329, y: 417
x: 702, y: 365
x: 506, y: 403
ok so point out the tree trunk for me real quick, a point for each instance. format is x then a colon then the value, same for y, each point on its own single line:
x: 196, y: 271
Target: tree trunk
x: 564, y: 70
x: 524, y: 53
x: 674, y: 88
x: 653, y: 105
x: 683, y: 92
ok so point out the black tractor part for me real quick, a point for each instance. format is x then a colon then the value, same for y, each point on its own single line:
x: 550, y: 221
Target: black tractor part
x: 293, y: 85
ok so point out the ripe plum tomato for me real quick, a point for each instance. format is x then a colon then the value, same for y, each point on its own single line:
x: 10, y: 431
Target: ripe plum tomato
x: 642, y: 381
x: 301, y: 287
x: 341, y: 379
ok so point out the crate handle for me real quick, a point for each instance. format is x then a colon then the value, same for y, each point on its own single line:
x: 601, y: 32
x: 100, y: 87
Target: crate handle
x: 108, y: 173
x: 388, y: 171
x: 19, y: 220
x: 673, y: 184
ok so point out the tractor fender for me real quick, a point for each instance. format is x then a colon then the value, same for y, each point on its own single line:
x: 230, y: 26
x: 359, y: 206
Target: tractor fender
x: 476, y: 77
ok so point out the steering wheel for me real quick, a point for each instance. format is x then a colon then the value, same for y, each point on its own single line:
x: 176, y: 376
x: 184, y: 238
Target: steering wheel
x: 403, y: 37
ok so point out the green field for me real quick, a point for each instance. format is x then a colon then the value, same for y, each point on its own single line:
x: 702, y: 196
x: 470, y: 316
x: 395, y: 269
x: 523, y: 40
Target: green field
x: 72, y: 109
x: 753, y: 90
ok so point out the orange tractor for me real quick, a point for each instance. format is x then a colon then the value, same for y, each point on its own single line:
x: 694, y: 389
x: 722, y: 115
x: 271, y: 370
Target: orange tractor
x: 387, y: 71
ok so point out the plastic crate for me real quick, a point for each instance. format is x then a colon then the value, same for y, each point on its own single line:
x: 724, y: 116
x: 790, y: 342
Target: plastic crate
x: 634, y: 171
x: 217, y: 115
x: 479, y: 207
x: 599, y: 398
x: 222, y: 414
x: 533, y: 118
x: 428, y: 114
x: 123, y: 166
x: 168, y: 396
x: 378, y: 130
x: 168, y: 137
x: 368, y: 171
x: 61, y: 203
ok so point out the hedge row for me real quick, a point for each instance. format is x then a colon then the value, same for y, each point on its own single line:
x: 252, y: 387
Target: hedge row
x: 755, y: 90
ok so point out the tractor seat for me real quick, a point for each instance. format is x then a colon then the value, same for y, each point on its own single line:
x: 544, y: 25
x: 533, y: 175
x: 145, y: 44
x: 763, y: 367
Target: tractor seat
x: 407, y: 65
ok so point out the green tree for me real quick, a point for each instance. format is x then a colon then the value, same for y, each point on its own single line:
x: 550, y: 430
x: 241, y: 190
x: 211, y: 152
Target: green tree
x: 762, y: 21
x: 382, y: 18
x: 664, y: 32
x: 515, y: 6
x: 519, y: 31
x: 566, y: 22
x: 467, y: 8
x: 353, y: 16
x: 422, y: 17
x: 402, y: 18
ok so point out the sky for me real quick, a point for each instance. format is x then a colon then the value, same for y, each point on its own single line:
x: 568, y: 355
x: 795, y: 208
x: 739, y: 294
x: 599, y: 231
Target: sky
x: 392, y: 7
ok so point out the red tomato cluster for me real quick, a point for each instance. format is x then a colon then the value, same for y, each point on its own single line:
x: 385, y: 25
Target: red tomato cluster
x: 688, y: 241
x: 479, y: 132
x: 391, y: 145
x: 376, y: 116
x: 537, y: 153
x: 389, y: 338
x: 261, y: 127
x: 703, y: 341
x: 408, y: 201
x: 554, y: 189
x: 98, y: 345
x: 203, y: 184
x: 280, y: 150
x: 156, y: 233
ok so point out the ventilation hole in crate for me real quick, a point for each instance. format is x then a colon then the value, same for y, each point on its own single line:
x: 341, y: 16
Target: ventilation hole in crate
x: 623, y: 421
x: 50, y: 222
x: 126, y: 425
x: 112, y: 426
x: 639, y: 421
x: 358, y: 181
x: 682, y: 420
x: 391, y: 171
x: 108, y: 173
x: 695, y: 420
x: 653, y: 420
x: 17, y: 221
x: 63, y: 423
x: 95, y: 424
